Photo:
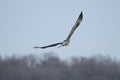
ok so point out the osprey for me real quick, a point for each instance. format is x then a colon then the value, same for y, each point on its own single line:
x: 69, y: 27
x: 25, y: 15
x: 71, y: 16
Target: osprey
x: 67, y: 40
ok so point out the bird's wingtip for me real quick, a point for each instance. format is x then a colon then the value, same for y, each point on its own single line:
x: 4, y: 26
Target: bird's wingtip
x: 36, y: 47
x: 81, y: 15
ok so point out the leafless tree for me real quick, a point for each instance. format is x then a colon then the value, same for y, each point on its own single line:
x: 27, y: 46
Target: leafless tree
x: 51, y: 67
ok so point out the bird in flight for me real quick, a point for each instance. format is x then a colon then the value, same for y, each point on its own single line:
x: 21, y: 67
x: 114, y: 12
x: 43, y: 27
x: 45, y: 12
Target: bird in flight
x: 67, y: 40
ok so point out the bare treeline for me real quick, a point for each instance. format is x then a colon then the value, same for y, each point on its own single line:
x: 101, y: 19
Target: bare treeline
x: 51, y: 67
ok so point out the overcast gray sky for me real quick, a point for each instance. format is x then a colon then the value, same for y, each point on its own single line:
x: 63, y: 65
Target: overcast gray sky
x: 28, y: 23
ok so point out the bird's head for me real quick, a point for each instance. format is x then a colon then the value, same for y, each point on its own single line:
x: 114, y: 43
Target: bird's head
x: 66, y: 43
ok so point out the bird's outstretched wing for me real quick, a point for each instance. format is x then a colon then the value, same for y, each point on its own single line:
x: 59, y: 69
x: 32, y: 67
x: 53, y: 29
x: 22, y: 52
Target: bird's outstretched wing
x: 75, y: 26
x: 52, y: 45
x: 67, y: 41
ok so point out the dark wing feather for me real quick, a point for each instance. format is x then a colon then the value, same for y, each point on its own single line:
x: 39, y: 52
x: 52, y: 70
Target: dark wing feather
x: 75, y: 25
x: 52, y: 45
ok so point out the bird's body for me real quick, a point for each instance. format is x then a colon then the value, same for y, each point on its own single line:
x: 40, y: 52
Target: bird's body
x: 67, y: 40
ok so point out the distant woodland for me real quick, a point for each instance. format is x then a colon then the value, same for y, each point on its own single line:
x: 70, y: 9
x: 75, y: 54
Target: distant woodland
x: 51, y: 67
